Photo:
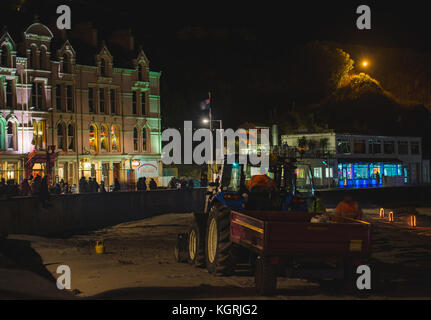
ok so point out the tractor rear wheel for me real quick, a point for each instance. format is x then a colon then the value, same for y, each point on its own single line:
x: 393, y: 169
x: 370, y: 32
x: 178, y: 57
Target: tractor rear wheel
x: 196, y: 244
x: 265, y: 277
x: 218, y: 249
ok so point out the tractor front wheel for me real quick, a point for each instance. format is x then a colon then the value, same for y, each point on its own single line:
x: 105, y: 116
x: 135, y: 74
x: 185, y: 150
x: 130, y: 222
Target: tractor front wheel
x: 218, y: 249
x: 196, y: 244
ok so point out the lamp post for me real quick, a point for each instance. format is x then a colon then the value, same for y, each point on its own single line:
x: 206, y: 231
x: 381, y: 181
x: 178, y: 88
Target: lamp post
x: 209, y: 121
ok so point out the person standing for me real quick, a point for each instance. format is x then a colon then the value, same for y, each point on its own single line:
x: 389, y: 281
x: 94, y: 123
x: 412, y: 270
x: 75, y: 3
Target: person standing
x: 349, y: 208
x: 117, y: 186
x: 190, y: 184
x: 44, y: 193
x: 377, y: 178
x: 96, y: 185
x: 102, y: 186
x: 35, y: 186
x: 144, y: 184
x: 204, y: 181
x: 153, y: 184
x: 25, y: 187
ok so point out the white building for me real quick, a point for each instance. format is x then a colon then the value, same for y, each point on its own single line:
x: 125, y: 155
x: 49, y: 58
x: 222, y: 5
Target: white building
x: 347, y: 160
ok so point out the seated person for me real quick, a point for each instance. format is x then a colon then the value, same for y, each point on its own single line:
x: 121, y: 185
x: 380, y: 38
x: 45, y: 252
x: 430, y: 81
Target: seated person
x: 316, y: 205
x: 349, y: 208
x: 262, y: 192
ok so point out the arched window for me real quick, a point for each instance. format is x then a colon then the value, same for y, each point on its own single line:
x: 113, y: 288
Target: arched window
x: 104, y: 138
x: 66, y: 64
x: 39, y: 136
x: 2, y: 133
x: 103, y: 67
x: 10, y: 135
x: 4, y: 58
x: 115, y: 138
x: 93, y: 138
x: 61, y: 136
x: 70, y: 137
x: 144, y: 139
x: 135, y: 139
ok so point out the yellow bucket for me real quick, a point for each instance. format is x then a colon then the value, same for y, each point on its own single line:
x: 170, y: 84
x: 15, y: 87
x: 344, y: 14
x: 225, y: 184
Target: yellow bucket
x: 100, y: 247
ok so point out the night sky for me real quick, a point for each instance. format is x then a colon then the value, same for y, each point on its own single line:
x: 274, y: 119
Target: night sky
x: 212, y: 45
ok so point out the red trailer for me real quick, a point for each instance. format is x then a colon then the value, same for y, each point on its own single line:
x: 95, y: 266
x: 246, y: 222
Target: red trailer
x: 290, y: 244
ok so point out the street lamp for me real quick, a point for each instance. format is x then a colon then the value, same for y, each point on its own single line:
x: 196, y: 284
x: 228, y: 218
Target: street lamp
x: 208, y: 121
x: 365, y: 63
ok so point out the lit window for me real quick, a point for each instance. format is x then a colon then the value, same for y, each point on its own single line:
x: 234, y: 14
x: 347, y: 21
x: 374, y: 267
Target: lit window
x: 2, y: 132
x: 317, y: 172
x: 115, y: 138
x: 39, y: 136
x: 10, y: 135
x: 104, y: 138
x: 93, y: 138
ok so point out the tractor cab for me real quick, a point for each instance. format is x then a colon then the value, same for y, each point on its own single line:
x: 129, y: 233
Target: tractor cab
x: 294, y: 182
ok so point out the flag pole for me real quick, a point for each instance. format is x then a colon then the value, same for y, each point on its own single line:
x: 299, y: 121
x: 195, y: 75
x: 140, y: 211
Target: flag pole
x: 212, y: 147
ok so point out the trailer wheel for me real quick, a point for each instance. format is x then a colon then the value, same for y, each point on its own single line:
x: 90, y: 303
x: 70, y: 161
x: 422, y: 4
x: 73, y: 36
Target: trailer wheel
x: 196, y: 244
x: 218, y: 248
x: 180, y: 250
x: 265, y: 277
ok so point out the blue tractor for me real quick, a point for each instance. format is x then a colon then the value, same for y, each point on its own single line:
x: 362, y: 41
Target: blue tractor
x: 207, y: 242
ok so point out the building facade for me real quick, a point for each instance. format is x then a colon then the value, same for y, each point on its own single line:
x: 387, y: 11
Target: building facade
x: 70, y: 110
x: 353, y: 161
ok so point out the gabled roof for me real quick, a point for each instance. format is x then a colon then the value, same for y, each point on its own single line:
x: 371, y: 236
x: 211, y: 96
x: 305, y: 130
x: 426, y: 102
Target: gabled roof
x: 6, y: 38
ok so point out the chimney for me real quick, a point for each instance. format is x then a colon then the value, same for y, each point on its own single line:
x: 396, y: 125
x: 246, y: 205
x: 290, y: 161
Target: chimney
x: 123, y: 38
x: 86, y: 33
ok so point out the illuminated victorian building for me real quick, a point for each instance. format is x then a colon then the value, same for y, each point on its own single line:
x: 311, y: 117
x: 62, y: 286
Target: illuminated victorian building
x: 74, y: 107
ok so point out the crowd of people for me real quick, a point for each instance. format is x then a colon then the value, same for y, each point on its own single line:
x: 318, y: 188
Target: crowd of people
x: 39, y: 186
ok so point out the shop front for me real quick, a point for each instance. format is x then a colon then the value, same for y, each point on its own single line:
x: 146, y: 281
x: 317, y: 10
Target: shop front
x: 373, y: 173
x: 41, y: 163
x: 10, y: 170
